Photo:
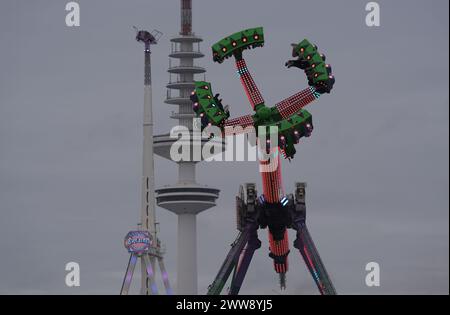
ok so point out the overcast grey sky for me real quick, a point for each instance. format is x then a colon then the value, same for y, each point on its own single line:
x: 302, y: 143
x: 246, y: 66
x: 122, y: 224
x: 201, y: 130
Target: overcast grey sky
x: 376, y: 164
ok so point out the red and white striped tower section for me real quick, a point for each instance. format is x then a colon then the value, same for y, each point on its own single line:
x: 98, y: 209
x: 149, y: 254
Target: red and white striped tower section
x: 186, y: 198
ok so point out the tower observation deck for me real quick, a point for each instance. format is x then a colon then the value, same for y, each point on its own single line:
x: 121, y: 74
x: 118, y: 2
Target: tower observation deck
x: 186, y: 198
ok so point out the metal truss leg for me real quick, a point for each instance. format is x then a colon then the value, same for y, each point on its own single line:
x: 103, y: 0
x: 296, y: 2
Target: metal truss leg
x: 231, y: 260
x: 244, y: 262
x: 150, y: 274
x: 165, y: 276
x: 128, y: 275
x: 308, y: 250
x: 153, y: 263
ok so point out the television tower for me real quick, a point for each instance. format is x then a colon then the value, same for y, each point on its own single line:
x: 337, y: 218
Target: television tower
x: 143, y: 244
x: 186, y: 198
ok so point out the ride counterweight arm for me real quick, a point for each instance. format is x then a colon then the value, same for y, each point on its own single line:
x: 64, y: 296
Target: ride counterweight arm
x: 252, y: 91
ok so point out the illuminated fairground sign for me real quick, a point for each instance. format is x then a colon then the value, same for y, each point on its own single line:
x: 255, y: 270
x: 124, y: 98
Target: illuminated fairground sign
x: 137, y: 241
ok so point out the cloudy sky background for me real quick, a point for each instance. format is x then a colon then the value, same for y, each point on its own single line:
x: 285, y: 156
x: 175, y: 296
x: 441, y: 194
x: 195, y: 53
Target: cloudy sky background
x: 376, y: 164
